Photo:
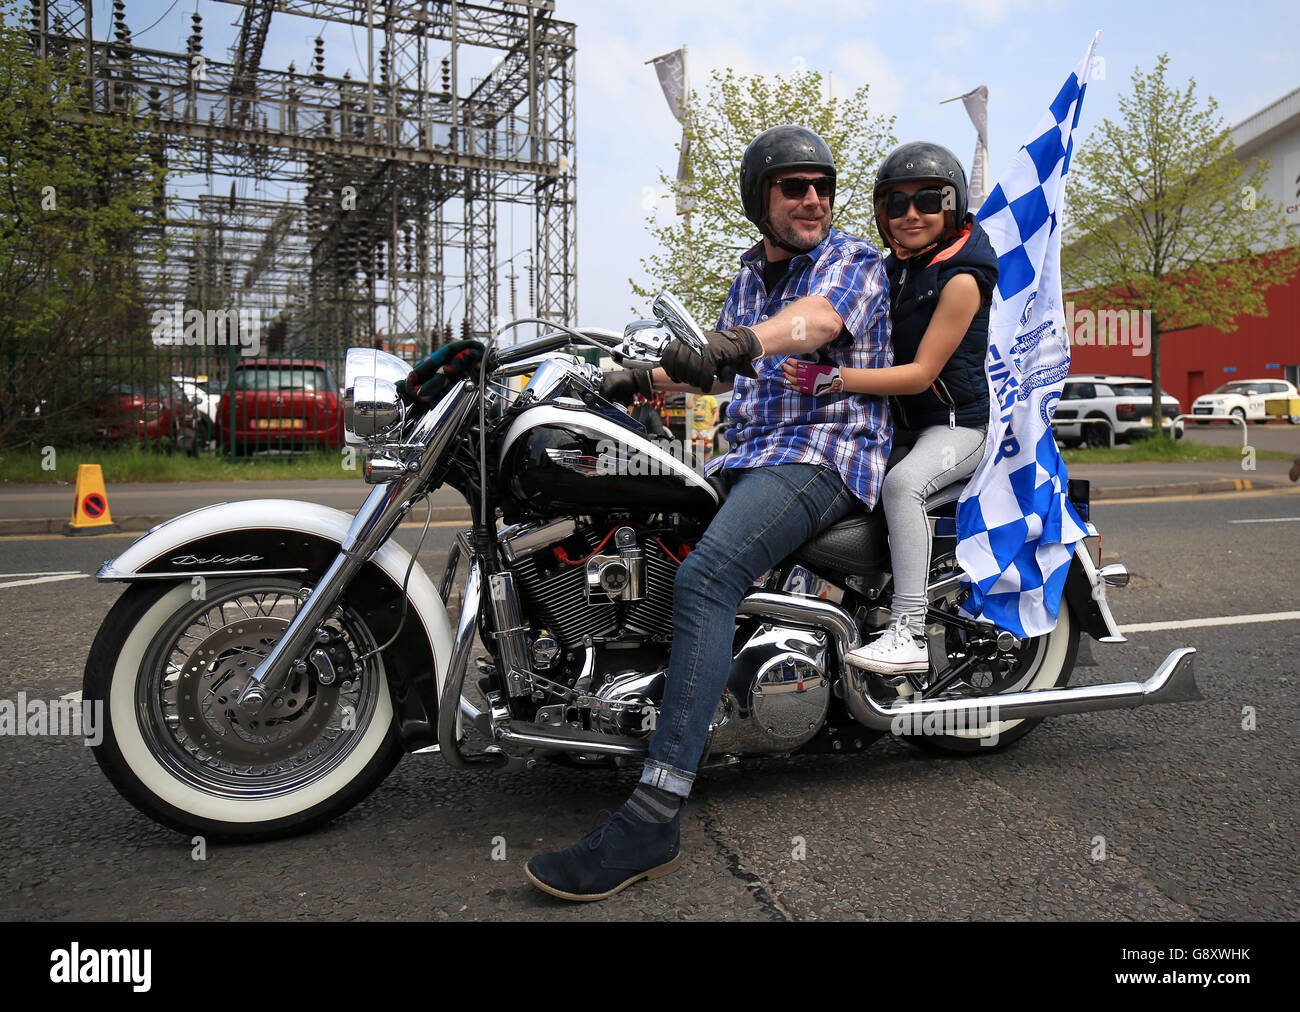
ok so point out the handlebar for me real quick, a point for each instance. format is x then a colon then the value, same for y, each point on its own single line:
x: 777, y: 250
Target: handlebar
x: 636, y: 349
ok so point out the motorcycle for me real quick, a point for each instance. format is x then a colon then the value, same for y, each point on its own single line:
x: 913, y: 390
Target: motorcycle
x: 270, y: 661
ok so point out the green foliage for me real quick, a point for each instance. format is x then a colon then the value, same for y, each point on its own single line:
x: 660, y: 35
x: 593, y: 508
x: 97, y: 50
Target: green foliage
x: 76, y: 186
x: 140, y: 463
x: 699, y: 252
x: 1162, y: 449
x: 1165, y: 218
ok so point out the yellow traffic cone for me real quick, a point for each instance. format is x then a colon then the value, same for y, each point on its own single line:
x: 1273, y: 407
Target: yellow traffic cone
x: 90, y: 513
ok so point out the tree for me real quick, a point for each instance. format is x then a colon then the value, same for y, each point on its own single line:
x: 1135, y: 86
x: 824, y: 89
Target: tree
x: 698, y: 256
x: 1169, y: 221
x: 78, y: 189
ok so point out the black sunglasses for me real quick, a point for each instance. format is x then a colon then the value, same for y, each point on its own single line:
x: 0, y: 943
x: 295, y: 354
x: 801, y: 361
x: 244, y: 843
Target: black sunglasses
x: 927, y: 201
x: 794, y: 187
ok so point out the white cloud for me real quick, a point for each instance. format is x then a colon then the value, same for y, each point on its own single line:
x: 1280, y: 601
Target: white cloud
x: 990, y: 12
x: 959, y: 39
x: 948, y: 86
x: 864, y: 61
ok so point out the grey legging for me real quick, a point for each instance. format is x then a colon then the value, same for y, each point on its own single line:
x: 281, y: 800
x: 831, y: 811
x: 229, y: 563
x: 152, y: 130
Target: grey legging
x: 938, y: 456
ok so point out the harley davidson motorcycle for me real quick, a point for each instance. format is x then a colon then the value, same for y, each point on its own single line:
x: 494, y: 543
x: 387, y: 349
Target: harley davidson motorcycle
x: 270, y: 661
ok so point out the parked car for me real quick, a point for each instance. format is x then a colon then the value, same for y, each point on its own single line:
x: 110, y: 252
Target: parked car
x: 158, y: 413
x: 199, y: 392
x: 289, y: 404
x: 1245, y: 399
x: 1123, y: 401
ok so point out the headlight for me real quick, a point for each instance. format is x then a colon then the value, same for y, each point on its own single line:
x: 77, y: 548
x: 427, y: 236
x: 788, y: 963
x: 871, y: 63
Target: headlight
x: 371, y: 408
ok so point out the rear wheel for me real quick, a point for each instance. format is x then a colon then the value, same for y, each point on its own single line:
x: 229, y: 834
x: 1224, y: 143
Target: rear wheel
x: 168, y: 668
x: 1036, y: 663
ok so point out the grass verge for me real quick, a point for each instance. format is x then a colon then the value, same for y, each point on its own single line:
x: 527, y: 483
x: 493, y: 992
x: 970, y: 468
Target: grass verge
x: 1164, y: 450
x: 139, y: 464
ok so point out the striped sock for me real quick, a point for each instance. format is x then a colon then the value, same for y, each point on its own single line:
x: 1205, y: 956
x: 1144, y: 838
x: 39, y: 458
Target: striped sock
x: 654, y: 804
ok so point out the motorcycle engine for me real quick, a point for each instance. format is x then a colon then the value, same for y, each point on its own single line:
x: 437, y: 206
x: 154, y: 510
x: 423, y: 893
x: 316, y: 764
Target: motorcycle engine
x: 778, y: 694
x: 599, y: 603
x: 586, y: 585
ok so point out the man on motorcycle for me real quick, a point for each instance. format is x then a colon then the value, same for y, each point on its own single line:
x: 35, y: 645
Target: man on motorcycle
x: 797, y: 464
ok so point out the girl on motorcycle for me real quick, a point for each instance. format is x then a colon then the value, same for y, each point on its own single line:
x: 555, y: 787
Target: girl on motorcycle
x: 942, y: 269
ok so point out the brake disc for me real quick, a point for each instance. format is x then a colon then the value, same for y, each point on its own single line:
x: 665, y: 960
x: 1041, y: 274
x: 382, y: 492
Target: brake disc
x: 212, y: 679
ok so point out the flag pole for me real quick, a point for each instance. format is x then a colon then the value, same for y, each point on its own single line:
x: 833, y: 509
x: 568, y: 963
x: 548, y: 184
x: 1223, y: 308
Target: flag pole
x: 686, y: 108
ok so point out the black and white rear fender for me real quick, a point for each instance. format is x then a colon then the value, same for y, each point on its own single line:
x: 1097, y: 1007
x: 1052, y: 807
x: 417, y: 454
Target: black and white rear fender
x: 1085, y: 594
x: 299, y: 540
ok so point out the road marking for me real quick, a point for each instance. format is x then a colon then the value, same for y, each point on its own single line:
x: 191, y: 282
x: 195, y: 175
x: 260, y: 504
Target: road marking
x: 1266, y: 520
x: 1195, y: 497
x: 1197, y: 623
x: 43, y: 579
x: 47, y: 572
x: 414, y: 525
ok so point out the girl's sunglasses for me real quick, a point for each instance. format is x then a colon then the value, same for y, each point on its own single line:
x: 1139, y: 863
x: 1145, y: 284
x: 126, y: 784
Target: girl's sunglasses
x: 927, y: 201
x: 794, y: 187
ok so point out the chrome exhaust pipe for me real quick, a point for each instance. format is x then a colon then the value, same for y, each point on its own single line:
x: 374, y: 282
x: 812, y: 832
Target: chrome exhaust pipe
x: 808, y: 611
x: 525, y: 735
x: 1173, y: 682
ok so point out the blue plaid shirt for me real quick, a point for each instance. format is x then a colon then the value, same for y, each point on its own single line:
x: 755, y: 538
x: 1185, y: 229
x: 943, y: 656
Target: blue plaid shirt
x: 772, y: 423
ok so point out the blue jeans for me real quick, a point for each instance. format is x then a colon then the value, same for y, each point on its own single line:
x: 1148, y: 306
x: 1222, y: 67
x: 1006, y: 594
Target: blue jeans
x: 769, y: 512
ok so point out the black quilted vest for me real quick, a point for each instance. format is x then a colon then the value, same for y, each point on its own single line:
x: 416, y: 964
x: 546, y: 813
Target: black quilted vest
x: 914, y: 286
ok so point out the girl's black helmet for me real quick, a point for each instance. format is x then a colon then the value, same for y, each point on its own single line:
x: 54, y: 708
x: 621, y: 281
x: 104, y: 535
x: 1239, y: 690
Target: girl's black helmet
x: 921, y: 161
x: 782, y: 147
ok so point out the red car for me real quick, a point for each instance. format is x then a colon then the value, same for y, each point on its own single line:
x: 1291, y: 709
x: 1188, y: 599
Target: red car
x: 158, y: 413
x: 273, y: 404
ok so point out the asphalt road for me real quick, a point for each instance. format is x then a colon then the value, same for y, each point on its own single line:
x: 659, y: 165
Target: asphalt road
x: 1197, y: 816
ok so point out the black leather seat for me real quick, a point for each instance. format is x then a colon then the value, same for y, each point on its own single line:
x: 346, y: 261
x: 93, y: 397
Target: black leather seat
x: 858, y: 545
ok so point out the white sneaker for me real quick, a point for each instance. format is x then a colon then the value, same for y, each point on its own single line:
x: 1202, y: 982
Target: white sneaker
x: 893, y: 652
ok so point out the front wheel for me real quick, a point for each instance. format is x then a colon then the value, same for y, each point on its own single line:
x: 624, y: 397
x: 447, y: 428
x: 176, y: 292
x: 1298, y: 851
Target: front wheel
x: 1039, y: 662
x: 167, y: 668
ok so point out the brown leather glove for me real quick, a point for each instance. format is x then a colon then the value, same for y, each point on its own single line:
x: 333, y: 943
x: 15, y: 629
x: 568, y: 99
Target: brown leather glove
x: 727, y: 352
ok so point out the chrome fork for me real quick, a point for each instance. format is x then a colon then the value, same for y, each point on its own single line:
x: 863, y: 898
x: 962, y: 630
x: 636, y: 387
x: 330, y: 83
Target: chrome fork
x: 378, y: 517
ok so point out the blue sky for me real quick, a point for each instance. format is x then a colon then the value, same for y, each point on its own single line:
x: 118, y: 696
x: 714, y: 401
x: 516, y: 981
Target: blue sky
x: 913, y: 55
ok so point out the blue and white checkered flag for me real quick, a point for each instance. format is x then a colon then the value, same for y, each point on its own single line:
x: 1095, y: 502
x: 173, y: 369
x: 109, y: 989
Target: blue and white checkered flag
x: 1015, y: 527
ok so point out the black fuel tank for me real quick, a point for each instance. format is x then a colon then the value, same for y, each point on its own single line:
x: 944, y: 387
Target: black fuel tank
x: 557, y: 459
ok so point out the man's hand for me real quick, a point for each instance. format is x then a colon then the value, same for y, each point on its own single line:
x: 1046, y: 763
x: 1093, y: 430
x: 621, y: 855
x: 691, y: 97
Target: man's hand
x: 621, y: 386
x: 726, y: 353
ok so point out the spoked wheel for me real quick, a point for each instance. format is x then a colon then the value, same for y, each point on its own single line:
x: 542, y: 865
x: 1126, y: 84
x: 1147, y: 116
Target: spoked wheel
x: 1034, y: 663
x: 180, y: 747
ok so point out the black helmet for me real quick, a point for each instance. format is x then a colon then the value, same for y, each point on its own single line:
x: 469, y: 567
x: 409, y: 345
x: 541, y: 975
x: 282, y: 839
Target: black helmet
x: 782, y: 147
x: 916, y: 162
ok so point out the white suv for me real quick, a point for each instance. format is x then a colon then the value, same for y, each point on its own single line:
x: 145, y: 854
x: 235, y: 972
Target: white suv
x: 1123, y: 401
x: 1246, y: 399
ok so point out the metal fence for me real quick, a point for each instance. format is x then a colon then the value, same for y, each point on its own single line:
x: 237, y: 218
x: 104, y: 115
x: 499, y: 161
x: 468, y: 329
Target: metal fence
x: 235, y: 401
